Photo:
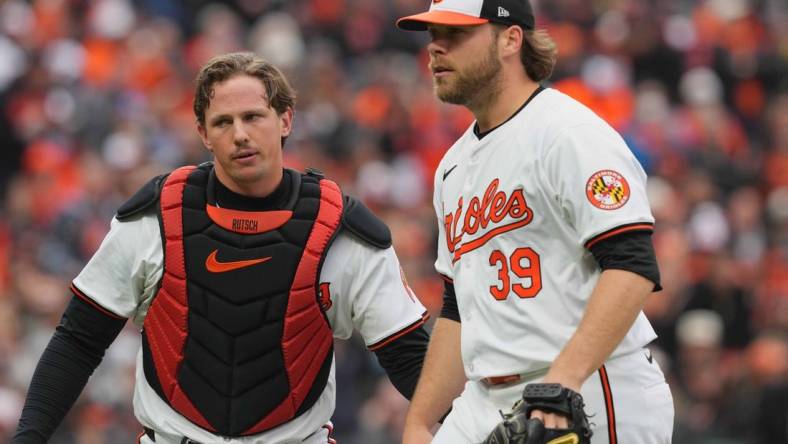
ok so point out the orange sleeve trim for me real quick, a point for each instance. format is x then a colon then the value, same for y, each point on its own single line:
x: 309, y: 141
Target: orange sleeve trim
x: 618, y: 230
x: 391, y: 338
x: 78, y: 293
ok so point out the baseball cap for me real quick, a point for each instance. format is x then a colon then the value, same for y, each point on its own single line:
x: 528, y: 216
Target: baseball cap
x: 471, y: 12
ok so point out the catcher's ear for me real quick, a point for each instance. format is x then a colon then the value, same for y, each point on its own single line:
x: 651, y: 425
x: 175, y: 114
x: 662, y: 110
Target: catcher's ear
x: 286, y: 122
x: 204, y: 136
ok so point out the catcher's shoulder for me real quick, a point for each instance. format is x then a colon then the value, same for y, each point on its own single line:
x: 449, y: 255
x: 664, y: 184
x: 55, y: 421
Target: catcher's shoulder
x: 143, y: 200
x: 361, y: 222
x: 358, y: 220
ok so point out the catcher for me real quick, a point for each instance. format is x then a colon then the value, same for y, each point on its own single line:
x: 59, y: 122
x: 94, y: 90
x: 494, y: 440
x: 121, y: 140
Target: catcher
x: 239, y: 273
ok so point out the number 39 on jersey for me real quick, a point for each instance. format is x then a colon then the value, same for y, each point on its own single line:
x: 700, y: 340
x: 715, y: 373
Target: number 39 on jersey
x: 518, y: 272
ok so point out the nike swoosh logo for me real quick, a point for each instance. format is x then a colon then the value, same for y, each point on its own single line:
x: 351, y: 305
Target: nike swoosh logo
x: 214, y: 266
x: 447, y: 172
x: 650, y: 357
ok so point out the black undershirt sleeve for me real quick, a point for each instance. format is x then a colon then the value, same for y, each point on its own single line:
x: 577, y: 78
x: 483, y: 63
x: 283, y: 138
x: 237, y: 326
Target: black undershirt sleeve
x: 632, y: 251
x: 403, y: 358
x: 74, y: 351
x: 449, y: 309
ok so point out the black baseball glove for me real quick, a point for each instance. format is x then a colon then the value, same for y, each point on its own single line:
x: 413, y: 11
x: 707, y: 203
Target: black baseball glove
x: 517, y: 428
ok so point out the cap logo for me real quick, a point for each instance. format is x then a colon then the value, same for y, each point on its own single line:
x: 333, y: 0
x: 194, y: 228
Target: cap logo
x: 502, y: 12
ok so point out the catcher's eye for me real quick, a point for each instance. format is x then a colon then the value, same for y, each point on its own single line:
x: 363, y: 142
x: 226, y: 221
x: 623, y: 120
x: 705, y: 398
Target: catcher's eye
x: 219, y: 123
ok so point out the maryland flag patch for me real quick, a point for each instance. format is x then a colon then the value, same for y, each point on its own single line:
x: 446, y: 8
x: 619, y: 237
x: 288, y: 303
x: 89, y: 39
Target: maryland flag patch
x: 607, y: 190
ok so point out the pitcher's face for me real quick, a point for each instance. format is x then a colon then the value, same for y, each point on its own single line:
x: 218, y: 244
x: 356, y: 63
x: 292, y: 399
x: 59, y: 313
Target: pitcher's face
x: 464, y: 61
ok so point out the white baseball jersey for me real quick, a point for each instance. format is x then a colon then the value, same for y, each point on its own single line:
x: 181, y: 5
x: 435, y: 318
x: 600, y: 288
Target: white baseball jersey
x: 361, y: 289
x: 517, y: 211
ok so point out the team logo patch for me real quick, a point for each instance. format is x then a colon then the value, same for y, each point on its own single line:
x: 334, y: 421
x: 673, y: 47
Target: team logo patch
x: 607, y: 190
x: 324, y: 296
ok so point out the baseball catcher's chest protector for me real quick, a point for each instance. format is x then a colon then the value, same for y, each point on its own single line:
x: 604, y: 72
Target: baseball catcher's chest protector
x: 235, y: 340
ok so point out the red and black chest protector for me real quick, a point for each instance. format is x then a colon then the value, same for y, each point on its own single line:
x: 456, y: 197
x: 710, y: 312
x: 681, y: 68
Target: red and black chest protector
x: 235, y: 340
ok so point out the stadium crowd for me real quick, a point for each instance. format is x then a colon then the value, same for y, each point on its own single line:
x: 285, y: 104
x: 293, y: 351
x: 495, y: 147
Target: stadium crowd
x: 96, y: 99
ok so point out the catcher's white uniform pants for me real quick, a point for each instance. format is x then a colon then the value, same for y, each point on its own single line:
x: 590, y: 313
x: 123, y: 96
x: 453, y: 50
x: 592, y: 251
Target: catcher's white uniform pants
x: 627, y: 401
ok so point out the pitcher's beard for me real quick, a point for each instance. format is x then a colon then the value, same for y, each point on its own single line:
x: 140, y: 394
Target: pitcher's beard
x: 479, y: 83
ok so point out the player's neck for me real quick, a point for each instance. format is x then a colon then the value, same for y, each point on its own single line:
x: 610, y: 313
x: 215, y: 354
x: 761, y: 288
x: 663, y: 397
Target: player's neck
x: 511, y: 97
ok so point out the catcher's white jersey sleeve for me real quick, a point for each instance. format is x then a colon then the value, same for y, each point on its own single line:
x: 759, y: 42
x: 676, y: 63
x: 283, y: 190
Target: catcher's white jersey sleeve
x: 517, y: 209
x: 369, y: 293
x: 123, y: 275
x: 361, y: 288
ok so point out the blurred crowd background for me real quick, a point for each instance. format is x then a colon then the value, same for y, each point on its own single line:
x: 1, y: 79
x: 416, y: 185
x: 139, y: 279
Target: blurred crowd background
x: 95, y: 98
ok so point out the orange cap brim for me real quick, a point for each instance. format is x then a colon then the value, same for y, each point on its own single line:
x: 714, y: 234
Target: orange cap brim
x: 419, y: 22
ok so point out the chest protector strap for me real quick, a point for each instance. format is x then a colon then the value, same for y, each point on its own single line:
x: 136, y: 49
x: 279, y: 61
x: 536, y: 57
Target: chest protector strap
x: 306, y: 336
